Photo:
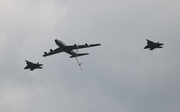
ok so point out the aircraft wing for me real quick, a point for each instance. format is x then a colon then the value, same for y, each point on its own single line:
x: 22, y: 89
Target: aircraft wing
x: 58, y: 50
x: 149, y: 42
x: 147, y: 46
x: 82, y: 46
x: 28, y: 62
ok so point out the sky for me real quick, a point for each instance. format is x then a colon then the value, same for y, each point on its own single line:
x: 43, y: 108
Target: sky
x: 118, y: 76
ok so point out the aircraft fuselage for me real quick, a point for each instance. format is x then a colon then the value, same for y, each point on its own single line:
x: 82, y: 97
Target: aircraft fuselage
x: 62, y: 45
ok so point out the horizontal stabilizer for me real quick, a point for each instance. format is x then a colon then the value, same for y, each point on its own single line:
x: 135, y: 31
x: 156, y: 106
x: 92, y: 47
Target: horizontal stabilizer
x: 92, y: 45
x: 82, y: 54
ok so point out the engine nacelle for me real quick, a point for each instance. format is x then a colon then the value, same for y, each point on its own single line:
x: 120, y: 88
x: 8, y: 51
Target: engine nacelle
x: 87, y: 45
x: 45, y: 53
x: 51, y: 50
x: 76, y: 46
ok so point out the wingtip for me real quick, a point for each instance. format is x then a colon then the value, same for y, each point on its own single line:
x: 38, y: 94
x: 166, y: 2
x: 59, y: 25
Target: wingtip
x: 44, y: 55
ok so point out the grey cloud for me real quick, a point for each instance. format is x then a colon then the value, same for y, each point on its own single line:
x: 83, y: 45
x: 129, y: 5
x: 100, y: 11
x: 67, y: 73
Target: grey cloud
x: 118, y: 76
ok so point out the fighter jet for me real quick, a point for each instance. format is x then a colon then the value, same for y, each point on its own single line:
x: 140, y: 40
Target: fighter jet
x: 70, y: 49
x: 33, y: 66
x: 152, y: 45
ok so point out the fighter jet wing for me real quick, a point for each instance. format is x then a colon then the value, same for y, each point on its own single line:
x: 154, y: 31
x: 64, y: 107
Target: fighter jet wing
x: 149, y: 42
x: 147, y: 46
x: 28, y: 62
x: 58, y: 50
x: 82, y: 46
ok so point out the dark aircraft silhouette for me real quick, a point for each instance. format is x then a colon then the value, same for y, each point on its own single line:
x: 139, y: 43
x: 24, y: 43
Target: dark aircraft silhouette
x: 70, y: 49
x: 33, y: 66
x: 152, y: 45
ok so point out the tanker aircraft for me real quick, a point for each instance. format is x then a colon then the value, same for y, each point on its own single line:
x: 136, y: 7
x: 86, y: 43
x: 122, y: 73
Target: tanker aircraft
x: 69, y: 49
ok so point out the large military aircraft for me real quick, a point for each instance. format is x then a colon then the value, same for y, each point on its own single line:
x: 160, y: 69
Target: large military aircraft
x: 70, y: 49
x: 33, y: 66
x: 152, y: 45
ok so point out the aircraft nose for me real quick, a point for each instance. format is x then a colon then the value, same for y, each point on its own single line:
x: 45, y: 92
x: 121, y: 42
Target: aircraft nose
x: 56, y: 41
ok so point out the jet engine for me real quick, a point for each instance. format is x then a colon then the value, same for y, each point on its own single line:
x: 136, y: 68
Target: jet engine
x: 76, y: 45
x: 87, y: 45
x: 45, y: 53
x: 51, y: 50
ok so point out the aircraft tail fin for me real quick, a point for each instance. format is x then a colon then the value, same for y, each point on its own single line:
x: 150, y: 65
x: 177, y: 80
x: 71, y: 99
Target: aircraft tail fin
x: 82, y: 54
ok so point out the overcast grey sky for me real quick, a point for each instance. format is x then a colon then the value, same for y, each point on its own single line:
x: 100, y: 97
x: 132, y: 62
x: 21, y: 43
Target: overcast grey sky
x: 119, y: 76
